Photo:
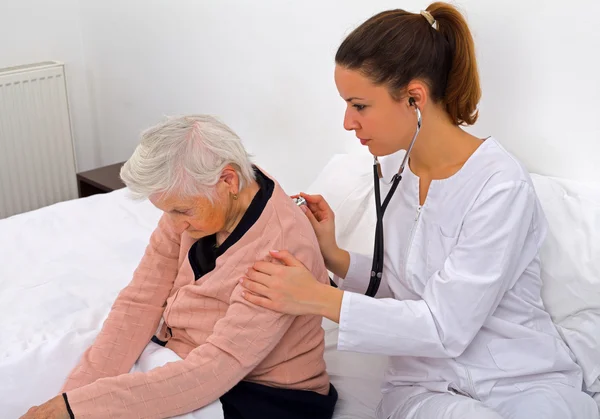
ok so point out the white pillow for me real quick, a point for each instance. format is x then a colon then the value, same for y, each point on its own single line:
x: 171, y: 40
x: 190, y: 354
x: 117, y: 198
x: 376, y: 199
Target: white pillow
x: 571, y: 268
x: 346, y: 182
x: 570, y: 255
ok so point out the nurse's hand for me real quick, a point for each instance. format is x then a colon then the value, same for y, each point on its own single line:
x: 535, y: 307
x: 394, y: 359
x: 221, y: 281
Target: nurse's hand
x: 290, y: 288
x: 322, y: 219
x: 52, y: 409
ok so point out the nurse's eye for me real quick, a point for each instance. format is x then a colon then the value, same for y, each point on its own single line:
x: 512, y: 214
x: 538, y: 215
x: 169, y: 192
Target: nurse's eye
x: 359, y: 107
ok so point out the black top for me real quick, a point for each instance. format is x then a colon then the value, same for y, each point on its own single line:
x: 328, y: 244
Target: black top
x: 204, y: 253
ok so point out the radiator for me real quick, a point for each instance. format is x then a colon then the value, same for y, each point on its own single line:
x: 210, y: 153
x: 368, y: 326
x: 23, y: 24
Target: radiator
x: 37, y: 162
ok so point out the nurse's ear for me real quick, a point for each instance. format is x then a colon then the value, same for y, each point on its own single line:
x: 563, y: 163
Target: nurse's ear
x: 418, y: 92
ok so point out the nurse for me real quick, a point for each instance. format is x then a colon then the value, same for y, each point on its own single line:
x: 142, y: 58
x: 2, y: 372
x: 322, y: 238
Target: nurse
x: 459, y: 308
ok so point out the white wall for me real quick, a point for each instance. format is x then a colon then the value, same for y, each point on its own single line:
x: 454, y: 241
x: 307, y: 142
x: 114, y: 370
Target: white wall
x: 266, y: 67
x: 40, y: 30
x: 540, y: 65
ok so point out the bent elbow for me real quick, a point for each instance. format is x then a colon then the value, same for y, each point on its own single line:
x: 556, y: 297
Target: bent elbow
x: 455, y: 346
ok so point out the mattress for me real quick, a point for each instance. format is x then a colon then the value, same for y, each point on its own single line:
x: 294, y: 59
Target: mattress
x: 61, y: 269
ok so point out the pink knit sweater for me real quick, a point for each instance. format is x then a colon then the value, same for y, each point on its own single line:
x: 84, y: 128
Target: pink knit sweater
x: 221, y: 337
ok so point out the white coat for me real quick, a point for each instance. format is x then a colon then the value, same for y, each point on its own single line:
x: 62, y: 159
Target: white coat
x: 459, y: 309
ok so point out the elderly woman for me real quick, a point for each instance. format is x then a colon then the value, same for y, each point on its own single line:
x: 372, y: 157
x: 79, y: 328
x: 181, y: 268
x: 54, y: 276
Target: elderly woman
x: 221, y: 215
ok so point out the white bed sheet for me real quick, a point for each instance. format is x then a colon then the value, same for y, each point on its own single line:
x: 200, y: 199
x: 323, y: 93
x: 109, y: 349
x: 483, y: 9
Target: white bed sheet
x: 61, y: 267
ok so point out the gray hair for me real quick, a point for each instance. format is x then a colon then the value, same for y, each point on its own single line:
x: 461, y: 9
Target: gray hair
x: 185, y: 155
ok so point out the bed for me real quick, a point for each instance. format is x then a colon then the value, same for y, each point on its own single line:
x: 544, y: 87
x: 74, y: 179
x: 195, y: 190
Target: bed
x: 63, y: 265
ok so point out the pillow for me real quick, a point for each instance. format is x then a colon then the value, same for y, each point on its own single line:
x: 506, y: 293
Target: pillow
x: 571, y: 268
x: 346, y: 183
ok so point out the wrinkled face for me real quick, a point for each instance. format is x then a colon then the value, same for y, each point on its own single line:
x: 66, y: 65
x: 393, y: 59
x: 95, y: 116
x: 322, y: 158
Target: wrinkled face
x: 198, y: 216
x: 381, y: 123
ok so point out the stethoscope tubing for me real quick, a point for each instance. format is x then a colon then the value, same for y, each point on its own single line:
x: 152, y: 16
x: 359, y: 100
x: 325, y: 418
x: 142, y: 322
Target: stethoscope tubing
x: 378, y: 247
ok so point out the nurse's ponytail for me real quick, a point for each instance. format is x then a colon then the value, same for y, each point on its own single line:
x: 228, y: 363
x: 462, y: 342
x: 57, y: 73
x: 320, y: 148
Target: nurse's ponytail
x: 435, y: 46
x: 462, y: 90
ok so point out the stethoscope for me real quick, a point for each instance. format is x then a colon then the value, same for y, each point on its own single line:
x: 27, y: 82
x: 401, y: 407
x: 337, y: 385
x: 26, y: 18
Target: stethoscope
x: 378, y: 253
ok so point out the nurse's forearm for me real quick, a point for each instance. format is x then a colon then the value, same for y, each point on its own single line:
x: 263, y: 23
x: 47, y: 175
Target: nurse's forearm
x: 338, y: 262
x: 330, y: 303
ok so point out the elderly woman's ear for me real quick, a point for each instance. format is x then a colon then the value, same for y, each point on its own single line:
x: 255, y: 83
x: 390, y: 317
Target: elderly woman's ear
x: 230, y: 180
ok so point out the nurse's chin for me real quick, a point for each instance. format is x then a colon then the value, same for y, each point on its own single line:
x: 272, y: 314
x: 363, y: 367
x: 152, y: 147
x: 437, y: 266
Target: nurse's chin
x: 379, y: 151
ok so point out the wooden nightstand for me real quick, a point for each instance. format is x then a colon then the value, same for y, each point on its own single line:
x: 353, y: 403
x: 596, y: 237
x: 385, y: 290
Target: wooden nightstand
x: 101, y: 180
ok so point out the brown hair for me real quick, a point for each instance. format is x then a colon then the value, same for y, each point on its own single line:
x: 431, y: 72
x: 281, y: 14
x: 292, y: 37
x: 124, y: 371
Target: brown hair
x: 395, y: 47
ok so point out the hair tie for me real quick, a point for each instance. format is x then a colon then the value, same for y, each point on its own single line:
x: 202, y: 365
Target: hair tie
x: 430, y: 19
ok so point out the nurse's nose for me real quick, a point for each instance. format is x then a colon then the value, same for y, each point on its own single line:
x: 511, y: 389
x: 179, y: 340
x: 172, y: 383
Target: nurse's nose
x: 350, y: 123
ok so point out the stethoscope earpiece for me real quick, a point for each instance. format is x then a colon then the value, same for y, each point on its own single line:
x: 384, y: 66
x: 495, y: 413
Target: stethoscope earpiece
x: 413, y: 102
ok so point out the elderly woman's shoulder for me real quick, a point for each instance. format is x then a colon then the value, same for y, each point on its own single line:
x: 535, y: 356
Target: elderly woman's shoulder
x: 290, y: 219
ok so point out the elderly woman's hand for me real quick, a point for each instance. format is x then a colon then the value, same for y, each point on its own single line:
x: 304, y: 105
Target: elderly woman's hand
x: 52, y: 409
x: 290, y: 288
